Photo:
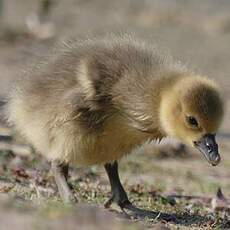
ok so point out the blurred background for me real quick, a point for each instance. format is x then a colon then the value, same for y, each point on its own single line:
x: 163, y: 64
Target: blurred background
x: 195, y: 32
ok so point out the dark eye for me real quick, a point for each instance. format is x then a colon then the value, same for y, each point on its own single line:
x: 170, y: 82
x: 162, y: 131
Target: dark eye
x: 192, y: 121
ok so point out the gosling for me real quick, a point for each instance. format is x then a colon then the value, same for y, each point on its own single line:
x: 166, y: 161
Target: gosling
x: 98, y: 99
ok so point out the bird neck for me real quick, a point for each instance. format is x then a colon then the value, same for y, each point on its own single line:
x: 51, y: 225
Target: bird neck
x: 170, y: 107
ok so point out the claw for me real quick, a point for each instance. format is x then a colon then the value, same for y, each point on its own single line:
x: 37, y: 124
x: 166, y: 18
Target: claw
x: 109, y: 202
x: 121, y: 204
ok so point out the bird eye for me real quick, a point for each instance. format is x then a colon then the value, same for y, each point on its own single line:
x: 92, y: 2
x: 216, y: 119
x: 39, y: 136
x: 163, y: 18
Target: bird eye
x: 192, y: 121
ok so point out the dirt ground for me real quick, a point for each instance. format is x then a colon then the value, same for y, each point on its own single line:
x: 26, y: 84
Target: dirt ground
x: 168, y: 178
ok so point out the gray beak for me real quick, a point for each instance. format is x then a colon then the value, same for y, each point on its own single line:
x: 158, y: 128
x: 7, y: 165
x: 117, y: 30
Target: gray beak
x: 208, y: 147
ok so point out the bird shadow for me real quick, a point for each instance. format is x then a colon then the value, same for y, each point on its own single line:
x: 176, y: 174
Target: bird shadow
x: 185, y: 219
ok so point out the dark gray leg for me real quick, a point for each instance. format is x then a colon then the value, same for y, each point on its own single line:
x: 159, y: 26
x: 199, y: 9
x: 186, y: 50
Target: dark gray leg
x: 118, y: 193
x: 60, y: 173
x: 120, y: 197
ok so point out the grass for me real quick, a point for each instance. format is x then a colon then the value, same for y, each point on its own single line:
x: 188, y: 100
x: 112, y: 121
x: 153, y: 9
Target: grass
x: 148, y: 181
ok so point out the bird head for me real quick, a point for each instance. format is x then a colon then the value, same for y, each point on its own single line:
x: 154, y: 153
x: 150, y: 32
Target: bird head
x: 192, y: 110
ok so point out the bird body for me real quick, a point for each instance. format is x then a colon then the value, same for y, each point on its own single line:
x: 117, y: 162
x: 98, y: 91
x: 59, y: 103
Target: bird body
x: 95, y: 101
x: 87, y: 106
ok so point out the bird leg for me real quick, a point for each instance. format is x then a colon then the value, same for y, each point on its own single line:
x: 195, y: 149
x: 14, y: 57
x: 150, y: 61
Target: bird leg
x: 120, y: 197
x: 60, y: 173
x: 118, y: 193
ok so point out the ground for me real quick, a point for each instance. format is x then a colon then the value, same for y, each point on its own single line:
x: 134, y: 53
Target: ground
x: 167, y: 178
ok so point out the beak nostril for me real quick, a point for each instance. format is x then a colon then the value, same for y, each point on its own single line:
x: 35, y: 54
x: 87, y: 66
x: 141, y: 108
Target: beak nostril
x: 209, y: 148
